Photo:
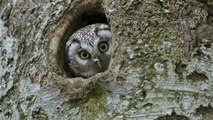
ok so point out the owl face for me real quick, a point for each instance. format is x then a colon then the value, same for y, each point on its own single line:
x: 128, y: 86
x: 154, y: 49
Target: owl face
x: 88, y: 50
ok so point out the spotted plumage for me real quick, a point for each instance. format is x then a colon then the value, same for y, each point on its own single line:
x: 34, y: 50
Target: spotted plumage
x: 88, y: 50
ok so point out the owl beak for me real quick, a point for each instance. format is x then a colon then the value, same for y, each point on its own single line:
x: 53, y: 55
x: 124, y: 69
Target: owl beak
x: 98, y: 62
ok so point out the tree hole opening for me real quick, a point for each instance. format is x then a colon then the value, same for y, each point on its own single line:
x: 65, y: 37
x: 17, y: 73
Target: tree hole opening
x: 85, y: 15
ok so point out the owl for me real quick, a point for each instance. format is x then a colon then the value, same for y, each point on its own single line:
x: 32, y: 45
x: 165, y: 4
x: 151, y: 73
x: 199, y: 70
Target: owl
x: 88, y: 50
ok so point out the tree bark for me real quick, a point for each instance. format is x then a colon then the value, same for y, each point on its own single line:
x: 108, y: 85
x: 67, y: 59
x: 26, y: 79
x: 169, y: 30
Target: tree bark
x: 161, y: 67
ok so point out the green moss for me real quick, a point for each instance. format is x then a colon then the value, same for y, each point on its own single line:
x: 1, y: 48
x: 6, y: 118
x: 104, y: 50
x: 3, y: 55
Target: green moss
x: 210, y: 37
x: 5, y: 3
x: 95, y: 105
x: 210, y: 1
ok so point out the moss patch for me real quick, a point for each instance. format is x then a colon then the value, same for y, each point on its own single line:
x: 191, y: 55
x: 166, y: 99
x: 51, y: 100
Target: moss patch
x: 95, y: 105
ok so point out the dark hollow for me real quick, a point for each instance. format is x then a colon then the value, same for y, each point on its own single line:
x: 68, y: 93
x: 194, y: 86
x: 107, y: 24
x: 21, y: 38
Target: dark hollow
x: 85, y: 16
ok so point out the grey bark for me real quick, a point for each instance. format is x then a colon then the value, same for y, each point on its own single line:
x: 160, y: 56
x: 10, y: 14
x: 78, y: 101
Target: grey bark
x: 161, y: 66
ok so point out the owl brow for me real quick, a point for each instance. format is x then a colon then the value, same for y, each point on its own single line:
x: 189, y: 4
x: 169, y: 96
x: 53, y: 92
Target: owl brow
x: 104, y: 40
x: 75, y: 40
x: 106, y: 28
x: 98, y: 28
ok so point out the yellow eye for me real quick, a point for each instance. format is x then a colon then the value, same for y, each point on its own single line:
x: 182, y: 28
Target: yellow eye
x: 84, y: 54
x: 103, y: 47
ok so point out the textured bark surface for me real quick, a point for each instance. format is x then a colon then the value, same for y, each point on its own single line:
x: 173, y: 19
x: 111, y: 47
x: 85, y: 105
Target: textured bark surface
x: 161, y: 67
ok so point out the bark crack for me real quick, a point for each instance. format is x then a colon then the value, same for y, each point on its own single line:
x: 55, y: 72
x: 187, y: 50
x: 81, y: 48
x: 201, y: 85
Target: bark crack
x: 185, y: 32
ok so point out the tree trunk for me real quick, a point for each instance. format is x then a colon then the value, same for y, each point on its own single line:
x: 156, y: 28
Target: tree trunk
x: 161, y: 67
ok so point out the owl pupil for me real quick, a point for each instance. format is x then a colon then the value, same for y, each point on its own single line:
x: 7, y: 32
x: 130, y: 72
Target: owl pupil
x: 84, y: 54
x: 103, y: 47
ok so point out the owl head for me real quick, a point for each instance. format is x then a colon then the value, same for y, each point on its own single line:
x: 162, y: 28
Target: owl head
x: 88, y: 50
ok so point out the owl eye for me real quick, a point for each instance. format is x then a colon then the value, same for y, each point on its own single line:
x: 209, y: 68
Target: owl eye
x: 103, y: 47
x: 84, y: 54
